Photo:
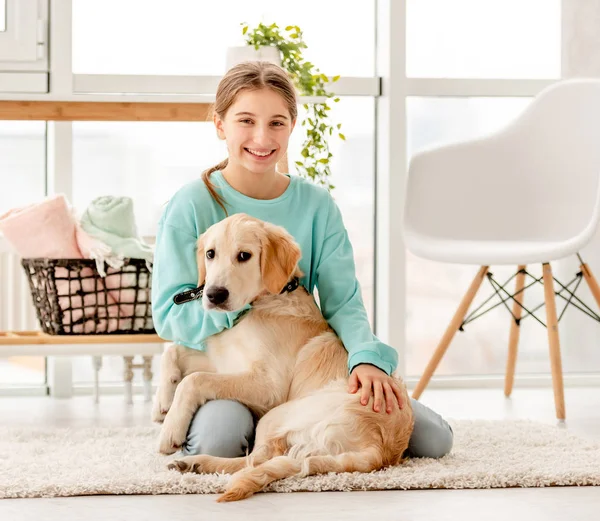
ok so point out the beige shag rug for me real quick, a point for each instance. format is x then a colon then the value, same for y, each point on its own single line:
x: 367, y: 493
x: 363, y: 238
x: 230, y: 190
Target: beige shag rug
x: 55, y: 462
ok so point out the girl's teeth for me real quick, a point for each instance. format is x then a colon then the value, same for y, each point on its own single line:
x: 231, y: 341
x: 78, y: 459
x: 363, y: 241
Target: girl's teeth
x: 261, y: 154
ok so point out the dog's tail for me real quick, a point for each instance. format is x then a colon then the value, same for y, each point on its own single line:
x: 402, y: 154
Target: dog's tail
x: 253, y: 479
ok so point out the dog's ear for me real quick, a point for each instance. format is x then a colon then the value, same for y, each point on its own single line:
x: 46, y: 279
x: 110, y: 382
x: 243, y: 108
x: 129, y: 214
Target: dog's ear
x: 201, y: 260
x: 279, y: 258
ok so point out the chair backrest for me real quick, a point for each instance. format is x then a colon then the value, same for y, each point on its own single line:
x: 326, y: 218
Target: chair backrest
x: 536, y: 179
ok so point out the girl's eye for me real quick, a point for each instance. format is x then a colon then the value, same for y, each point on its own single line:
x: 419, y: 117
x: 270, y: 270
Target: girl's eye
x: 244, y: 256
x: 278, y: 123
x: 245, y: 121
x: 210, y: 254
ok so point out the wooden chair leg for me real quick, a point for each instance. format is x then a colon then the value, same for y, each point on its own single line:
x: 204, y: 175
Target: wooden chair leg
x: 591, y: 282
x: 515, y: 329
x: 553, y: 340
x: 455, y: 323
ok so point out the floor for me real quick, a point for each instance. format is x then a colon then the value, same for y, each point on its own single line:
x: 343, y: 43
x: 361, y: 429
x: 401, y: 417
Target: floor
x: 548, y: 504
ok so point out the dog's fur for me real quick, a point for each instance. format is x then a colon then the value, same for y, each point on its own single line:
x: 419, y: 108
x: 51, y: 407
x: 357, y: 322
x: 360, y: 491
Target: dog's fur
x: 281, y: 360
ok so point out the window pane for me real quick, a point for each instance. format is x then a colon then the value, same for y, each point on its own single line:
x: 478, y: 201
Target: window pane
x: 150, y: 161
x: 2, y: 15
x: 438, y: 120
x: 22, y: 182
x: 145, y: 161
x: 353, y: 175
x: 483, y: 38
x: 22, y: 163
x: 191, y: 38
x: 435, y: 289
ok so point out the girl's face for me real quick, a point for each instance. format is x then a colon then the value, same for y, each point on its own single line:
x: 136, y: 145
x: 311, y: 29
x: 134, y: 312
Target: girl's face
x: 257, y: 129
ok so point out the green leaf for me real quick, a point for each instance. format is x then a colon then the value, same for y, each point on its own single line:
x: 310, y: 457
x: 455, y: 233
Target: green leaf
x: 245, y: 30
x: 324, y: 161
x: 336, y: 100
x: 342, y: 137
x: 289, y: 27
x: 336, y: 78
x: 299, y: 163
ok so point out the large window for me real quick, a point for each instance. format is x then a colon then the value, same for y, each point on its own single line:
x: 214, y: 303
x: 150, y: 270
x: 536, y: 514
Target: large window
x: 469, y: 66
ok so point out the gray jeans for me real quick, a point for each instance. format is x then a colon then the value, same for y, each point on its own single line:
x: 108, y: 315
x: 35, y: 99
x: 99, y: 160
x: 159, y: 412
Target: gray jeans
x: 225, y: 428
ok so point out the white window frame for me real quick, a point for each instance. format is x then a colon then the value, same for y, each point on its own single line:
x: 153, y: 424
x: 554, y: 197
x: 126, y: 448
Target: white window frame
x: 24, y: 47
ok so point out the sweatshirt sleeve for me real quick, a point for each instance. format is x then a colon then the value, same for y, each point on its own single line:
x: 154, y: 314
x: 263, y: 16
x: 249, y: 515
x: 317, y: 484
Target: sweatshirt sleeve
x: 175, y: 270
x: 341, y: 299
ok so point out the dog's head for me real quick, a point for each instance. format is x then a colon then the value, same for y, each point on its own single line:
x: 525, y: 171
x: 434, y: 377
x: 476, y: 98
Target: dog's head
x: 240, y: 258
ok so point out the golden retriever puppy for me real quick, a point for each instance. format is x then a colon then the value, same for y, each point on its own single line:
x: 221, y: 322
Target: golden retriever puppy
x: 281, y: 360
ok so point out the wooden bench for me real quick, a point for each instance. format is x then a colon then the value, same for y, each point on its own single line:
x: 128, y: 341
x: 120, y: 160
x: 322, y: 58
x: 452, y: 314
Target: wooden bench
x: 36, y: 343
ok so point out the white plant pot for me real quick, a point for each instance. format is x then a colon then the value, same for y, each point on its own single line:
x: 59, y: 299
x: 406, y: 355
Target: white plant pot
x: 246, y: 53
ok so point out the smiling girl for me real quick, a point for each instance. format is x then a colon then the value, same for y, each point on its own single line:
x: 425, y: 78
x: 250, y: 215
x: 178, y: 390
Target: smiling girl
x: 255, y: 113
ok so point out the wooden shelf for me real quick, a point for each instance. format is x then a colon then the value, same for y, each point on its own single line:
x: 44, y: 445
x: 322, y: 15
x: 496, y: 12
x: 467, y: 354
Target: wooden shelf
x: 38, y: 337
x: 103, y: 111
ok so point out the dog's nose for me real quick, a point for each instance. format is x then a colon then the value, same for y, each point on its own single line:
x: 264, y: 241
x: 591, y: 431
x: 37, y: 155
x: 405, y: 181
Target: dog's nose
x: 217, y: 295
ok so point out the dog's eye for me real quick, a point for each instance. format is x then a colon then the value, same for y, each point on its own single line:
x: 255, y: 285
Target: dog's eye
x: 244, y: 256
x: 210, y: 254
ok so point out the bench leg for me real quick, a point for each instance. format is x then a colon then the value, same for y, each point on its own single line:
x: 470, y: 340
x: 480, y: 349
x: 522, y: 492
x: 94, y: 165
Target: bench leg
x: 148, y: 378
x: 128, y: 378
x: 97, y: 363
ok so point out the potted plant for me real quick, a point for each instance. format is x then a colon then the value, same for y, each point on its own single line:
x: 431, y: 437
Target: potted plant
x: 268, y: 42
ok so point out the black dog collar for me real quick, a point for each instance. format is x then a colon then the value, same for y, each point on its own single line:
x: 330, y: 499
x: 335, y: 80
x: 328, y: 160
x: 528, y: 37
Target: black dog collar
x: 291, y: 286
x: 188, y: 296
x: 196, y: 293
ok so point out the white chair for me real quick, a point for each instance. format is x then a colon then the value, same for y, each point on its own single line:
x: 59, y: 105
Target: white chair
x: 527, y: 194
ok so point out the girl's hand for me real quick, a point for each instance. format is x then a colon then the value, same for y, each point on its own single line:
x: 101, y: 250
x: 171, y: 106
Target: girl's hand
x: 375, y: 381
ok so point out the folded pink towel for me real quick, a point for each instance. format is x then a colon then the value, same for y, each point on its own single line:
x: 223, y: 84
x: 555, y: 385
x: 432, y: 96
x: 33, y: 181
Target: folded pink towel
x: 49, y: 230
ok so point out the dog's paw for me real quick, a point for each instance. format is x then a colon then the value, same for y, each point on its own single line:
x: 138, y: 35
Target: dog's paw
x: 180, y: 465
x: 158, y: 411
x: 187, y: 464
x: 163, y: 400
x: 171, y: 439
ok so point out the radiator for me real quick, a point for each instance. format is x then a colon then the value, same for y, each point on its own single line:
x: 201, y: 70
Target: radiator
x: 16, y: 308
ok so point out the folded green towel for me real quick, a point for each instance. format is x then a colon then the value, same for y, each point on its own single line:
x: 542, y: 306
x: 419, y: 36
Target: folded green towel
x: 111, y: 220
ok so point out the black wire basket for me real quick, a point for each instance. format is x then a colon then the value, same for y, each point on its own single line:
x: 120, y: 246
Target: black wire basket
x: 72, y: 298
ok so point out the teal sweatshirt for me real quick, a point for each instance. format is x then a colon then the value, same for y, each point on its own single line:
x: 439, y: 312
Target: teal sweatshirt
x: 310, y: 215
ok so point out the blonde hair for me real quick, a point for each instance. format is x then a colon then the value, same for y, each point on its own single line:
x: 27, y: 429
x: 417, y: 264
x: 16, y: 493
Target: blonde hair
x: 246, y: 76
